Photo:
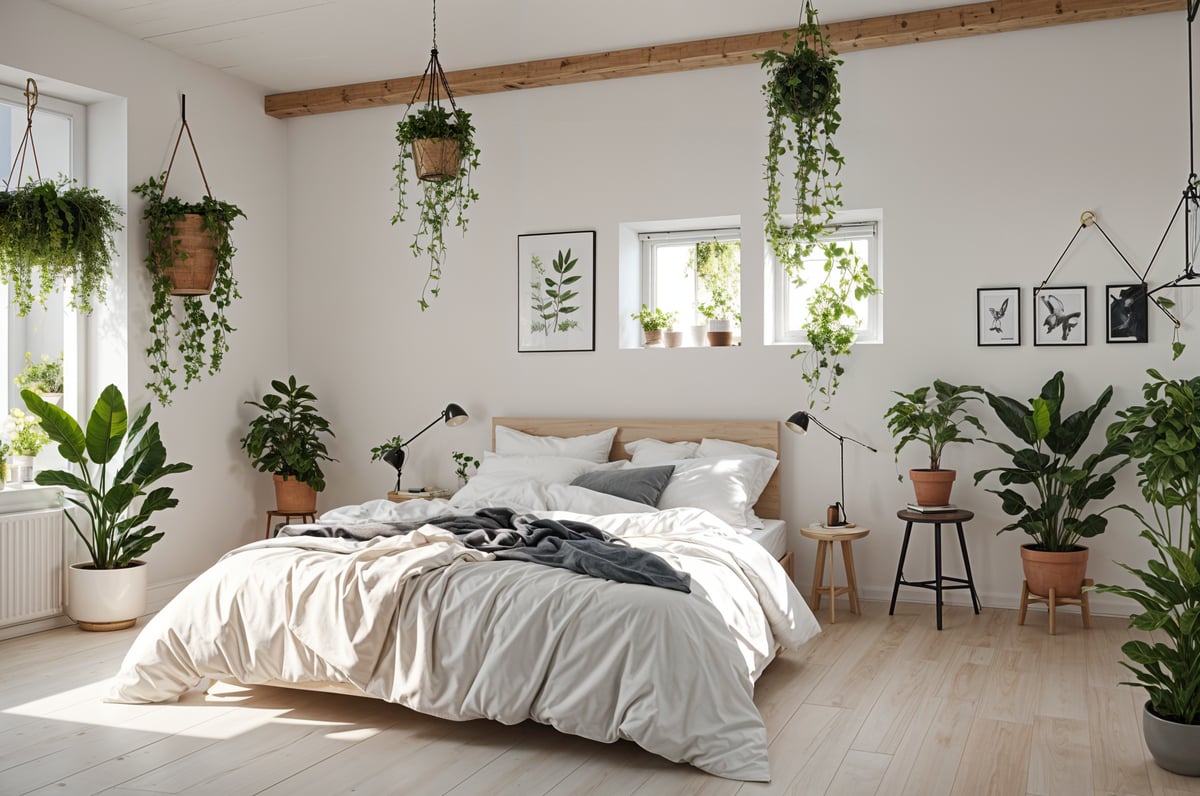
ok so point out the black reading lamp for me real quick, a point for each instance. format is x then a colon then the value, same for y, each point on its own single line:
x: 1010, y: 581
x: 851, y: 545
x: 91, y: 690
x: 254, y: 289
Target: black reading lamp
x: 453, y: 415
x: 798, y: 422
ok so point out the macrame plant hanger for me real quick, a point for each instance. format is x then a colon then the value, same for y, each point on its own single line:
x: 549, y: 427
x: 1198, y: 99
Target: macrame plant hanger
x: 1189, y: 203
x: 184, y: 128
x: 435, y: 162
x: 27, y: 145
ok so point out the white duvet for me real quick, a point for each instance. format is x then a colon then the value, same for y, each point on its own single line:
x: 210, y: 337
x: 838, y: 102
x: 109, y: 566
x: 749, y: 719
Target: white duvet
x: 423, y: 621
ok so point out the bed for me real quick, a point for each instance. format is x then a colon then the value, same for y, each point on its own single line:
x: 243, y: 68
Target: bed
x: 420, y: 619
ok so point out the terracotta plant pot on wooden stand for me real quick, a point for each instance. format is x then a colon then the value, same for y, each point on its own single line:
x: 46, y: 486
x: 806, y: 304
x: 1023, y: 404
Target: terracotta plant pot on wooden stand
x: 194, y: 264
x: 932, y: 487
x: 294, y: 496
x: 437, y: 159
x: 1055, y: 579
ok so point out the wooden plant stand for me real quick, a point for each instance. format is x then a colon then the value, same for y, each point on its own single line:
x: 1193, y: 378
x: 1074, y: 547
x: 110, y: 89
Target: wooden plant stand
x: 1052, y: 601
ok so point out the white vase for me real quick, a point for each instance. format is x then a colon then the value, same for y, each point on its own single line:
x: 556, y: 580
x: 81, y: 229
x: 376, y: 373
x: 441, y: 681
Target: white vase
x: 106, y: 599
x: 21, y: 469
x: 52, y: 398
x: 720, y: 325
x: 695, y: 335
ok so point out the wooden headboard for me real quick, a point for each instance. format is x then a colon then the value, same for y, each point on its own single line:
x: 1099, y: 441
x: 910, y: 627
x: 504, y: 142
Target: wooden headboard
x: 760, y: 433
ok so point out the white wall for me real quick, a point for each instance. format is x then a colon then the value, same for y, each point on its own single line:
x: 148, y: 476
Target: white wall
x: 981, y: 152
x: 244, y: 156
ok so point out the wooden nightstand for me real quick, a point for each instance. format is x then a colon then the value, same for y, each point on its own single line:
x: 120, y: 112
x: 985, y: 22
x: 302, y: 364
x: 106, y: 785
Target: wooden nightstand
x: 429, y: 494
x: 825, y: 538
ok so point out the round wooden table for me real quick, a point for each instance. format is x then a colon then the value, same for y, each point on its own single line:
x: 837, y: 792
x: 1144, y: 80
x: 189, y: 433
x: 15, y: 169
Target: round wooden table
x: 939, y: 581
x: 825, y: 538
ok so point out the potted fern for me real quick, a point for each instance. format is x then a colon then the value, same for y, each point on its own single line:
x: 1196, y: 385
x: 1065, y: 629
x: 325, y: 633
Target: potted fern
x: 109, y: 592
x: 1164, y: 438
x: 653, y: 322
x: 57, y: 234
x: 441, y: 145
x: 932, y: 420
x: 285, y: 440
x: 189, y: 254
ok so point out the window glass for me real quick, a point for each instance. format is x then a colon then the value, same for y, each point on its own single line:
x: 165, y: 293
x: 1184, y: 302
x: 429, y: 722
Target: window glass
x: 694, y: 274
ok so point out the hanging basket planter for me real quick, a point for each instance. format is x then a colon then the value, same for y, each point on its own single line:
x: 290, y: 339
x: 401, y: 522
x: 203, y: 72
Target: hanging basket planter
x: 437, y: 159
x: 191, y: 260
x: 806, y: 85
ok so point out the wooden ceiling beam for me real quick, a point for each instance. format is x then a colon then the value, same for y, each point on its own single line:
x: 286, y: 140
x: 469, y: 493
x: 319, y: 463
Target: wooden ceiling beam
x: 972, y: 19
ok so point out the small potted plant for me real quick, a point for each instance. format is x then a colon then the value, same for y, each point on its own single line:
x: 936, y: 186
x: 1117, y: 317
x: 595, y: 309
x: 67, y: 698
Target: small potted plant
x: 109, y: 592
x: 26, y: 438
x: 932, y: 420
x: 189, y: 254
x: 653, y: 322
x: 717, y: 264
x: 285, y: 440
x: 463, y: 462
x: 721, y: 316
x: 441, y: 145
x: 57, y: 234
x: 45, y: 377
x: 1163, y: 434
x: 1054, y: 517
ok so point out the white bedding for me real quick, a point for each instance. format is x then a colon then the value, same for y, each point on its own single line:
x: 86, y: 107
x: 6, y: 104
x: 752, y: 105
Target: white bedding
x: 772, y: 536
x: 421, y: 620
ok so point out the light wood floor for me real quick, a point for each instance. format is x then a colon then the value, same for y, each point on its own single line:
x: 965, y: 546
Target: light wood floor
x: 876, y: 704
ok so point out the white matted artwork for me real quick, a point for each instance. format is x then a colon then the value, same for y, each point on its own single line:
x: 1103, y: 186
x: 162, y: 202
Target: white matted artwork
x: 998, y: 316
x: 556, y: 291
x: 1060, y: 315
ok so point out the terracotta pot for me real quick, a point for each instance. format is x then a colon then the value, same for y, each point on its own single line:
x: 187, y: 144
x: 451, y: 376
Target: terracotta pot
x: 1064, y: 572
x: 932, y: 487
x: 673, y: 339
x: 106, y: 599
x: 653, y: 336
x: 1173, y: 745
x: 720, y: 338
x: 437, y: 159
x: 294, y: 496
x: 194, y: 266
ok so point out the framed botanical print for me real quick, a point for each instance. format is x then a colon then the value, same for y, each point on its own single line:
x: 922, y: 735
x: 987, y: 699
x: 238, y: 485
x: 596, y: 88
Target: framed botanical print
x: 556, y: 291
x: 1060, y: 315
x: 998, y: 316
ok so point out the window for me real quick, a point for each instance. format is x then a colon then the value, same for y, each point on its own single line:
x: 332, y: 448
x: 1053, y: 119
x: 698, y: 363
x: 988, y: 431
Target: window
x: 695, y: 274
x: 791, y: 301
x: 51, y: 331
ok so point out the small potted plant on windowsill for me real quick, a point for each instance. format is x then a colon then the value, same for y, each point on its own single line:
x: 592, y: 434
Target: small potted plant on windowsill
x: 721, y: 317
x: 653, y: 322
x: 285, y: 441
x: 26, y: 438
x: 934, y: 421
x: 44, y: 378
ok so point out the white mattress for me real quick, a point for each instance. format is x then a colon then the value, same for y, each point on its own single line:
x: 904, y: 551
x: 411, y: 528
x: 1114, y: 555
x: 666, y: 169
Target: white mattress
x: 773, y: 537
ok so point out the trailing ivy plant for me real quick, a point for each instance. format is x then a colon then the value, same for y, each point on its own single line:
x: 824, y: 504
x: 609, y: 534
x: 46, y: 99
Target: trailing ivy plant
x: 803, y: 95
x: 441, y: 199
x: 203, y: 328
x: 55, y: 234
x: 718, y: 266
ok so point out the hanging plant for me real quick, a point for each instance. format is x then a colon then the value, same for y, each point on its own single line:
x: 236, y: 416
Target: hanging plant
x: 203, y: 329
x: 803, y: 95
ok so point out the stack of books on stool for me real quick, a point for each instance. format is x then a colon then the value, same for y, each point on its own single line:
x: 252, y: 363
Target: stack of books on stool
x: 931, y: 509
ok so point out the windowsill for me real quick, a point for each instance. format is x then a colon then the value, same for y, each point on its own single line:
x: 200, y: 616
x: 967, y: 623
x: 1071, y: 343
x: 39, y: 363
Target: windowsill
x: 15, y: 498
x: 802, y: 343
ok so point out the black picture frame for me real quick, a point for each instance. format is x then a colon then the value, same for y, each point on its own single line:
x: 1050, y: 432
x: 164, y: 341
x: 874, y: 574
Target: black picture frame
x: 1060, y: 315
x: 551, y: 265
x: 998, y: 316
x: 1127, y: 313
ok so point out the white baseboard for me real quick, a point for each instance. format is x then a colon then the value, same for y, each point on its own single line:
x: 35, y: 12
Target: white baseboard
x: 1101, y: 604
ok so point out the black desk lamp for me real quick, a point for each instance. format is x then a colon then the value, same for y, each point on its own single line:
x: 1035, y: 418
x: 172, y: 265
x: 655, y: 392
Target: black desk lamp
x: 799, y: 421
x: 453, y: 414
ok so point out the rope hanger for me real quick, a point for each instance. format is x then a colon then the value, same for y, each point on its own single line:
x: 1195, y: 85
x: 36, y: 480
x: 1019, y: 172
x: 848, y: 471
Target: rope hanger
x: 433, y: 81
x: 18, y: 166
x: 184, y: 128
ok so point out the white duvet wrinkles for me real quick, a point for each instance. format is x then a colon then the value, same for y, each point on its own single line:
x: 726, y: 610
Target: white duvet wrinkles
x: 421, y: 620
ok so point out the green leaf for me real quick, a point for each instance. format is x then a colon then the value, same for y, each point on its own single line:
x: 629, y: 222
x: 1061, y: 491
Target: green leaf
x: 59, y: 426
x: 107, y: 425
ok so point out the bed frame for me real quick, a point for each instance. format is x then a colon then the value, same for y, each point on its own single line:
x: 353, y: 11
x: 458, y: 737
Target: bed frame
x: 760, y: 433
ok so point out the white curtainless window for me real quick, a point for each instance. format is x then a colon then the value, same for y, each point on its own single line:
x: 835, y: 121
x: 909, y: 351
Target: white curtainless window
x: 692, y: 272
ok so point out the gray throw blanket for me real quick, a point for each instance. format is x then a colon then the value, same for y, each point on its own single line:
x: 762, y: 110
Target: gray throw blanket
x: 568, y: 544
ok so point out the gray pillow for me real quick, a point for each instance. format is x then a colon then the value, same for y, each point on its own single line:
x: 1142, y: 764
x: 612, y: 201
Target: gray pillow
x: 639, y: 484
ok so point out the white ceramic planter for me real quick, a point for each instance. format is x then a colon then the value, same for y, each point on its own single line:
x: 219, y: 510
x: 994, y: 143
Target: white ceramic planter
x: 720, y: 325
x: 52, y: 398
x: 106, y: 599
x: 21, y: 469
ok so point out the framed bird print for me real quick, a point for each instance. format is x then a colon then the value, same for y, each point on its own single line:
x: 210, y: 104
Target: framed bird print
x: 998, y: 316
x: 1060, y: 315
x: 1126, y: 311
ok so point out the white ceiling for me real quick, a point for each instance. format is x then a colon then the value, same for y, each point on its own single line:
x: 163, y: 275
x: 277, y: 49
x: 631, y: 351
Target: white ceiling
x: 286, y: 45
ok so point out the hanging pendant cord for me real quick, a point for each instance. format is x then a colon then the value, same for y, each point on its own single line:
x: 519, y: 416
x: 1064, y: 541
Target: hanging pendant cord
x: 184, y: 128
x: 1082, y: 227
x: 27, y: 144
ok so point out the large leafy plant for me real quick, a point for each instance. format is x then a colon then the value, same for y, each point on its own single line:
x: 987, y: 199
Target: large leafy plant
x: 203, y: 328
x: 441, y: 199
x: 57, y: 234
x: 286, y: 438
x: 933, y: 420
x: 118, y: 501
x: 1054, y: 517
x: 1164, y: 435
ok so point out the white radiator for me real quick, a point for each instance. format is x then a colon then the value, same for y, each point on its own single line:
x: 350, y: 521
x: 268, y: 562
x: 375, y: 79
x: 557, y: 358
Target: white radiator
x: 32, y: 568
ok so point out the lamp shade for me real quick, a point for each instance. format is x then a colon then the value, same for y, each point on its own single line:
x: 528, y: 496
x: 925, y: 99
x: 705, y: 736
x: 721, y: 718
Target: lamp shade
x: 798, y: 422
x: 455, y: 415
x: 395, y: 457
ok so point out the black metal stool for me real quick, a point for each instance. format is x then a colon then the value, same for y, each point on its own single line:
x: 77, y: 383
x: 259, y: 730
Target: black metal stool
x: 938, y: 583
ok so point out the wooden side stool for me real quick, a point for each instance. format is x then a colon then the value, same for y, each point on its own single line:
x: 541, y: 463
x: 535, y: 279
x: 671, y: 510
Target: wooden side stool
x: 825, y: 537
x: 1052, y: 601
x: 305, y: 516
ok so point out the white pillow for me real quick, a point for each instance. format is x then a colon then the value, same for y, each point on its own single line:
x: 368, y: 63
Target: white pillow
x: 723, y: 447
x: 498, y: 471
x: 649, y: 451
x: 591, y: 447
x: 727, y: 487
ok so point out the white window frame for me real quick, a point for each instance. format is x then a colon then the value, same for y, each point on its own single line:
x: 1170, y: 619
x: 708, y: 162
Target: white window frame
x: 851, y: 226
x: 651, y: 241
x: 74, y: 348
